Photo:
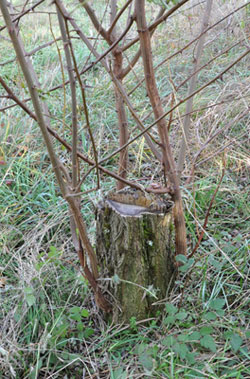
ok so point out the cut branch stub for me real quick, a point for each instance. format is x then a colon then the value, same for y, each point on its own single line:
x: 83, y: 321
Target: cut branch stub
x: 135, y: 251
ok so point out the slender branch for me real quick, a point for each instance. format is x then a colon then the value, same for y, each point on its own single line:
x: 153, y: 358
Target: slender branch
x: 149, y: 138
x: 86, y: 114
x: 188, y: 97
x: 95, y: 21
x: 111, y: 48
x: 157, y: 22
x: 189, y: 103
x: 40, y: 110
x: 65, y: 144
x: 118, y: 15
x: 29, y: 76
x: 211, y: 138
x: 32, y: 52
x: 137, y: 55
x: 66, y: 43
x: 168, y: 160
x: 23, y: 13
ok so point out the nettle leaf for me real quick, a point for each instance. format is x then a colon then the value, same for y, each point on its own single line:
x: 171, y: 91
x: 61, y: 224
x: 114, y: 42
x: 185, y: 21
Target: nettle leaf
x: 228, y: 334
x: 215, y: 263
x: 181, y: 315
x: 171, y: 309
x: 146, y: 361
x: 88, y: 332
x: 210, y: 316
x: 139, y: 349
x: 119, y: 373
x: 183, y: 338
x: 170, y: 320
x: 187, y: 265
x: 190, y: 358
x: 194, y: 336
x: 181, y: 349
x: 236, y: 342
x: 247, y: 333
x: 217, y: 304
x: 220, y: 312
x: 30, y: 299
x: 181, y: 258
x: 29, y: 296
x: 208, y: 342
x: 169, y: 341
x: 206, y: 330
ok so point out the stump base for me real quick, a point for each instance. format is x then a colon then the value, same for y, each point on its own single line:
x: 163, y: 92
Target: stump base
x: 135, y: 251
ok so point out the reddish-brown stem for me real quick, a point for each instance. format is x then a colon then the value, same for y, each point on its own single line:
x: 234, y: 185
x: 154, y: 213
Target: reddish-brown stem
x: 168, y: 161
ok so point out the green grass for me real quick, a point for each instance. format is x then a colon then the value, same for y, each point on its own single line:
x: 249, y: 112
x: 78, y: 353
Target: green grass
x: 50, y: 327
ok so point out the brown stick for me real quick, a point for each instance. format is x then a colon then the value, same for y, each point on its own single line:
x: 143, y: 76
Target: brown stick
x: 168, y: 161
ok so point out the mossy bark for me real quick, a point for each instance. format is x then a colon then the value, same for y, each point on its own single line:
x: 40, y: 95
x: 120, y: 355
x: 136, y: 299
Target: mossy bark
x: 136, y: 260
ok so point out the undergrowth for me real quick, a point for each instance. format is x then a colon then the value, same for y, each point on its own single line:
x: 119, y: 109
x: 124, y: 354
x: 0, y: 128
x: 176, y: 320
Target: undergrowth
x: 50, y: 326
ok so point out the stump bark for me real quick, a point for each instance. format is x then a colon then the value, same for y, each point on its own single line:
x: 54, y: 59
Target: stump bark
x: 135, y: 252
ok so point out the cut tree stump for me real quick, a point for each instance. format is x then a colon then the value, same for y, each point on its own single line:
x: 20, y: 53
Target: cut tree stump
x: 135, y: 252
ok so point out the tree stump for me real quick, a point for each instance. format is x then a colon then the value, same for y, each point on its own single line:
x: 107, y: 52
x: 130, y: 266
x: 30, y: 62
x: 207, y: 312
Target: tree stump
x: 135, y: 252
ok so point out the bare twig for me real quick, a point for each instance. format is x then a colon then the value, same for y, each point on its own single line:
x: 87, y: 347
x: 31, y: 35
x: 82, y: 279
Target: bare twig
x: 66, y: 43
x: 168, y: 161
x: 86, y: 115
x: 95, y: 21
x: 157, y: 22
x: 189, y: 103
x: 117, y: 16
x: 24, y: 13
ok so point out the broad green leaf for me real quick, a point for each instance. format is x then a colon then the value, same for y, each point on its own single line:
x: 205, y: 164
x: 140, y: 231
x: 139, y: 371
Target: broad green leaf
x: 140, y: 348
x: 181, y: 315
x: 88, y: 332
x: 205, y: 330
x: 28, y: 290
x: 183, y: 338
x: 215, y: 263
x: 220, y: 312
x: 169, y: 341
x: 236, y: 342
x: 169, y: 320
x: 53, y: 252
x: 29, y: 297
x: 194, y: 336
x: 228, y: 334
x: 80, y: 326
x: 181, y: 258
x: 190, y: 358
x: 84, y: 313
x: 181, y: 349
x: 208, y: 342
x: 187, y: 265
x: 171, y: 309
x: 217, y: 304
x: 210, y: 316
x: 247, y: 333
x: 119, y: 373
x: 146, y: 361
